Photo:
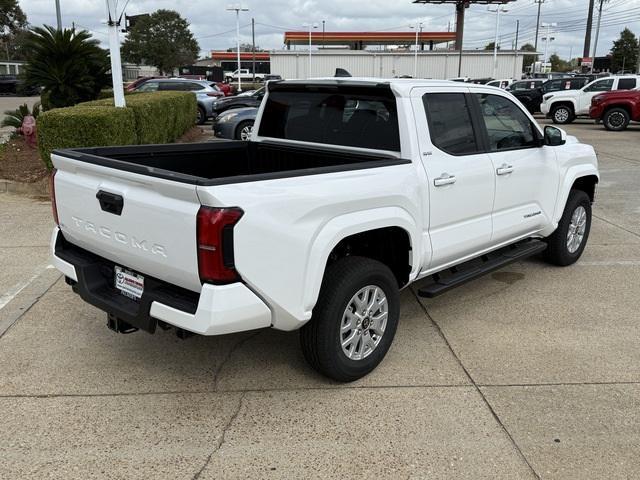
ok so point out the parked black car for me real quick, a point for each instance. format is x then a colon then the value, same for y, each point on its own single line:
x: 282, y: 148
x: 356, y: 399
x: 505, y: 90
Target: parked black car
x: 238, y: 101
x: 13, y: 85
x: 532, y: 98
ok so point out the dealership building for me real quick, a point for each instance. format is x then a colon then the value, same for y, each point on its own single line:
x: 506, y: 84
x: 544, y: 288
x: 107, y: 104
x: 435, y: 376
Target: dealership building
x: 375, y: 54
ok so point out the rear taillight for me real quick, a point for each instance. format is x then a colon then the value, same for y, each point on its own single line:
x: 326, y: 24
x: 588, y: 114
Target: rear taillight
x: 215, y: 244
x: 52, y: 194
x: 214, y: 94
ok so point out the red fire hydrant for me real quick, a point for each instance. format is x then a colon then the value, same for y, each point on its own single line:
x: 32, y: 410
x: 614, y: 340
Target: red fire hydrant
x: 28, y: 130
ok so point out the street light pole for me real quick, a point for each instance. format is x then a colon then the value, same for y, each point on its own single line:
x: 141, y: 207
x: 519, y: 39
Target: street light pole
x: 58, y: 15
x: 547, y: 39
x: 238, y: 8
x: 311, y: 27
x: 418, y: 28
x: 495, y: 42
x: 113, y: 24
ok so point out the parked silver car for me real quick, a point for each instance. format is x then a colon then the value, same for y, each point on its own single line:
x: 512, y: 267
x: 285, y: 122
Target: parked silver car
x: 206, y: 92
x: 235, y: 124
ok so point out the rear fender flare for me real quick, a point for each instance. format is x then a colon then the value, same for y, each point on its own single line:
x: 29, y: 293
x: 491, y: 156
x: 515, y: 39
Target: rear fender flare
x: 349, y: 224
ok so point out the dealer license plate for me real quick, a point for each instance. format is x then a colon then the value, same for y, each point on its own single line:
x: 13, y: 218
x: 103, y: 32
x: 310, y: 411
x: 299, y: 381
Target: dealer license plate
x: 130, y: 284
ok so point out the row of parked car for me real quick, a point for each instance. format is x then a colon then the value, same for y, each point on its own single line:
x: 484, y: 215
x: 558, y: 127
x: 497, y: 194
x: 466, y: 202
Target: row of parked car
x: 613, y: 100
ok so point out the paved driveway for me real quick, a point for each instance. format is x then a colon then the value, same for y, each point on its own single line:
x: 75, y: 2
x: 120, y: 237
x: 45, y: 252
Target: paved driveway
x: 531, y: 372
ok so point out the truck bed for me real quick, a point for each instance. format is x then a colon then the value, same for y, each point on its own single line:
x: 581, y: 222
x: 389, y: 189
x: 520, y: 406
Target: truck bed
x: 224, y: 162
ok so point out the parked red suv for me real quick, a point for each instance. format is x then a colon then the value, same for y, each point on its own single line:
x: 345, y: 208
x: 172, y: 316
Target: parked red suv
x: 616, y: 109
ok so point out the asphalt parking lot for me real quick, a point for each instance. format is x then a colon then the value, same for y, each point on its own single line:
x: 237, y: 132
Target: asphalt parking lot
x: 531, y: 372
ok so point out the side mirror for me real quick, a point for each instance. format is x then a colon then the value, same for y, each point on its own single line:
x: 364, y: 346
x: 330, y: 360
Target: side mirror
x: 554, y: 136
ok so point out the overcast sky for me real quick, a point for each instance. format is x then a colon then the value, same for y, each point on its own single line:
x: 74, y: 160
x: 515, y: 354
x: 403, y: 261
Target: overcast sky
x: 214, y: 27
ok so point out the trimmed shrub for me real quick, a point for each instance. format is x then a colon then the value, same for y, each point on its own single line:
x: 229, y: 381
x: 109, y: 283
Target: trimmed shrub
x: 85, y: 126
x: 161, y: 117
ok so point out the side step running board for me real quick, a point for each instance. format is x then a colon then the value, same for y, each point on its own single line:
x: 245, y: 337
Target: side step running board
x: 465, y: 272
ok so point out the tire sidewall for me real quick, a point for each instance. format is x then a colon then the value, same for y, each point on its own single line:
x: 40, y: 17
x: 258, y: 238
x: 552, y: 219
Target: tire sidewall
x: 569, y: 115
x: 576, y: 199
x: 612, y: 128
x: 241, y: 125
x: 202, y: 116
x: 333, y: 311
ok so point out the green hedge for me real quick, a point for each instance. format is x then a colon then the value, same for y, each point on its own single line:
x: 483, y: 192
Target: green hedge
x: 73, y: 127
x: 159, y: 117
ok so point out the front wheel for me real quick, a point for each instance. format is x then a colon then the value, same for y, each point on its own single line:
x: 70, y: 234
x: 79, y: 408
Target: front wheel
x: 562, y: 114
x: 616, y: 119
x: 201, y: 116
x: 354, y: 320
x: 566, y: 244
x: 243, y: 130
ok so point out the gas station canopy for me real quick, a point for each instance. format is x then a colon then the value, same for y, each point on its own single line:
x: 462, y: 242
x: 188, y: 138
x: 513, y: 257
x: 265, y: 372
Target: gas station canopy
x: 360, y: 40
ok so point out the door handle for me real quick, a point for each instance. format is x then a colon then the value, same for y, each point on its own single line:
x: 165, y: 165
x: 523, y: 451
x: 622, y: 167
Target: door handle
x: 504, y: 169
x: 444, y: 179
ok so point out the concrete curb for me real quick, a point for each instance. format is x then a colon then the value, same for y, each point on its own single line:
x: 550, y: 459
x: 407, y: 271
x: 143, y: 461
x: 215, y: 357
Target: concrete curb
x: 40, y: 188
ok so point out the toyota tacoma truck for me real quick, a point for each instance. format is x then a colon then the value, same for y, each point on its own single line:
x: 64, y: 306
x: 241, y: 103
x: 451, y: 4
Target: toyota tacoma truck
x: 563, y: 107
x: 616, y: 109
x: 348, y: 191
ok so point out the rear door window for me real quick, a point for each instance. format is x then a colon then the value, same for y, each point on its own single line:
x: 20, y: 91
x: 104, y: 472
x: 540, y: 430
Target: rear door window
x: 348, y: 116
x: 626, y: 84
x: 450, y: 124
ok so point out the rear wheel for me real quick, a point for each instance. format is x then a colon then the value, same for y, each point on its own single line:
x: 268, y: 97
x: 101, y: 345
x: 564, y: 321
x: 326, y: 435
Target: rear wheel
x: 562, y: 114
x: 354, y: 320
x: 243, y: 130
x: 566, y: 244
x: 616, y: 119
x: 201, y: 116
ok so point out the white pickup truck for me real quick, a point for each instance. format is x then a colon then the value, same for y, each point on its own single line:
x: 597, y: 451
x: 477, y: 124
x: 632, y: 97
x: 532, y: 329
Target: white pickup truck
x: 349, y: 190
x: 243, y: 74
x: 565, y: 105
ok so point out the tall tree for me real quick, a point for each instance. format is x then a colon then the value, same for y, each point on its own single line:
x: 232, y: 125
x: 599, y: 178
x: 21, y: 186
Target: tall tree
x: 162, y: 39
x: 624, y: 53
x: 528, y: 59
x: 68, y: 64
x: 13, y: 25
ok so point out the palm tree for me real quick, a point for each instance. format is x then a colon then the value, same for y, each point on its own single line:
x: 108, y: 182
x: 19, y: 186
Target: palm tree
x: 14, y: 118
x: 68, y: 64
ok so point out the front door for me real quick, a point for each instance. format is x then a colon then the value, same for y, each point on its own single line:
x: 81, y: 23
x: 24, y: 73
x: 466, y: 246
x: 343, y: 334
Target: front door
x: 526, y: 173
x: 590, y: 91
x: 460, y: 175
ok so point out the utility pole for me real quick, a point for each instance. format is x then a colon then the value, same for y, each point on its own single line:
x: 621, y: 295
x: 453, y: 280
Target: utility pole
x: 515, y: 61
x: 495, y: 42
x: 539, y: 2
x: 595, y: 43
x: 323, y: 22
x: 238, y: 8
x: 58, y: 15
x: 253, y: 48
x: 587, y: 34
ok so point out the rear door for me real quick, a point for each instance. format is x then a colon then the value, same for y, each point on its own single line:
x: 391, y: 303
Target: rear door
x: 143, y: 223
x: 460, y: 175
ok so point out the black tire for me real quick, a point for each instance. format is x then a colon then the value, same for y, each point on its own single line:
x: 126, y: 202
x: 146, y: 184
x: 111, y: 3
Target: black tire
x: 321, y: 338
x: 201, y: 117
x: 240, y: 127
x: 562, y: 114
x: 616, y: 119
x: 557, y: 251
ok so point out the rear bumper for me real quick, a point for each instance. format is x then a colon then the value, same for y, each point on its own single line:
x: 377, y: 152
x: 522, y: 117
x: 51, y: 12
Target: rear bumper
x: 216, y: 310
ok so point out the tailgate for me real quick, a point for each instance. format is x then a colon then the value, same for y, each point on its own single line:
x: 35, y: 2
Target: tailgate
x: 154, y: 232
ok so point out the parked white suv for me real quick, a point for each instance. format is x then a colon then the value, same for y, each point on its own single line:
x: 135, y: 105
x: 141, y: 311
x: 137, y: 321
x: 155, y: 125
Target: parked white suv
x: 349, y: 190
x: 564, y: 106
